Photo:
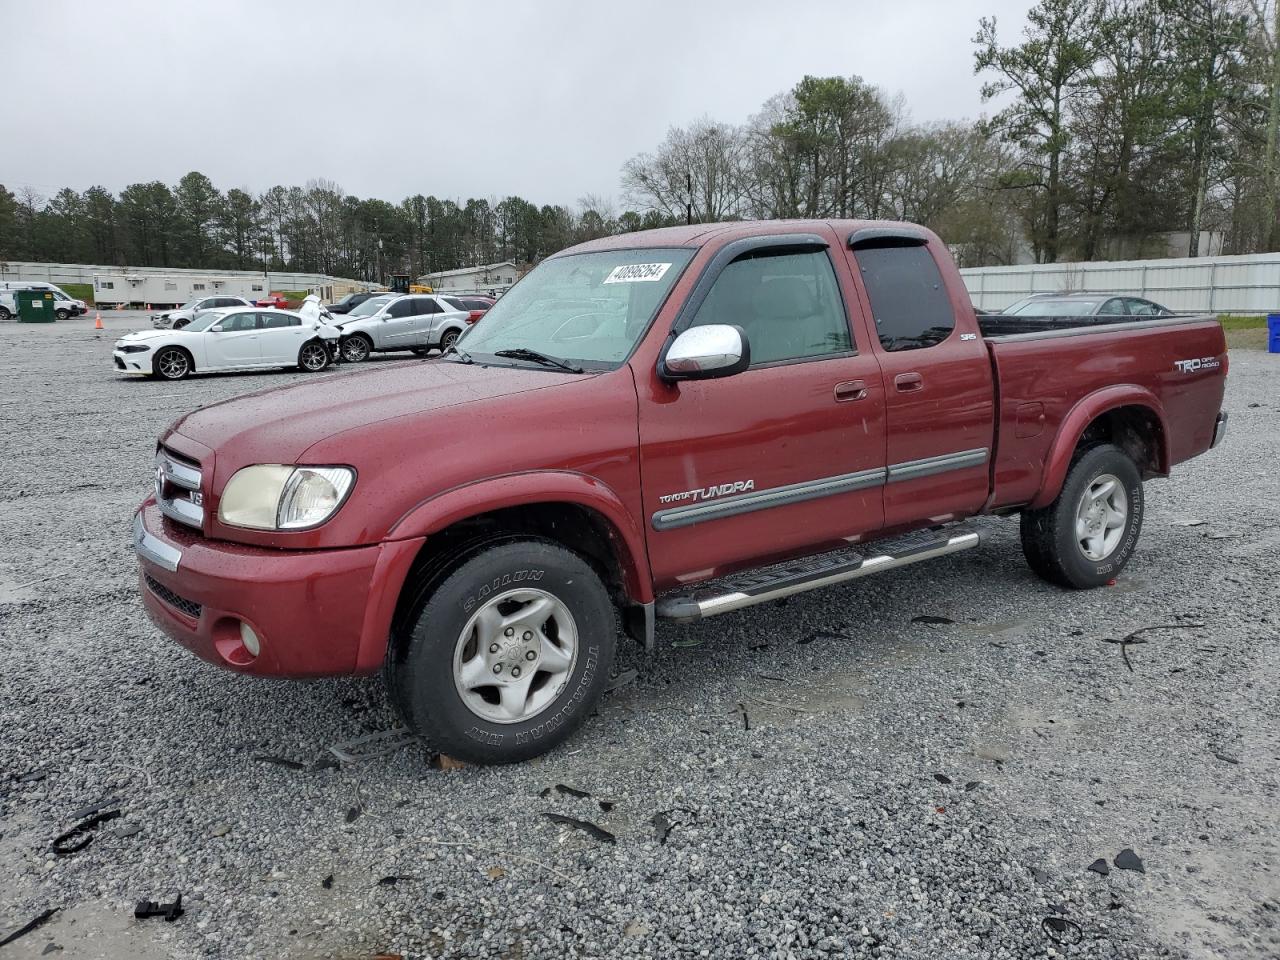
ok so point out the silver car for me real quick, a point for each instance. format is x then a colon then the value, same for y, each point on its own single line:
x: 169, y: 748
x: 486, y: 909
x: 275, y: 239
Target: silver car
x: 416, y: 321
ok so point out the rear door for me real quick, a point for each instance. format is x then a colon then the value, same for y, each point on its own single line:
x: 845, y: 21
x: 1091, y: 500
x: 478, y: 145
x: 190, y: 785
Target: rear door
x: 281, y: 336
x: 939, y: 396
x: 784, y: 458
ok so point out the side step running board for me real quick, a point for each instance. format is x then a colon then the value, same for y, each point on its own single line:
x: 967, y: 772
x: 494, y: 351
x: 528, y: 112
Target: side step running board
x: 774, y: 583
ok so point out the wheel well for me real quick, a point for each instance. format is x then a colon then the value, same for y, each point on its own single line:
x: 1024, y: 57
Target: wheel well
x: 580, y: 529
x: 173, y: 346
x: 1134, y: 429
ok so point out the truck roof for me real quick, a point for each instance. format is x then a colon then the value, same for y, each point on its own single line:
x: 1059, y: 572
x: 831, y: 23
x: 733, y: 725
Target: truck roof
x: 699, y: 234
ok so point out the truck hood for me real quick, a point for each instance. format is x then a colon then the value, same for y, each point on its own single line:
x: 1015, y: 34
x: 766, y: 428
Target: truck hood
x: 279, y: 424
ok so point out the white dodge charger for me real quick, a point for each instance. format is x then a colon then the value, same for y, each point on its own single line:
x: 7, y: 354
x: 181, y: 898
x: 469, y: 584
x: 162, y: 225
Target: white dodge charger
x: 241, y: 338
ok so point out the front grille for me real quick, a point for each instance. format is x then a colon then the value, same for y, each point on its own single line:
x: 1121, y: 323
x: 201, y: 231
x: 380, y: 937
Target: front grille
x: 178, y: 493
x: 189, y: 607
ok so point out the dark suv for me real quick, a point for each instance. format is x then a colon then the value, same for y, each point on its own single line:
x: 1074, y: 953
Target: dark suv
x: 351, y: 301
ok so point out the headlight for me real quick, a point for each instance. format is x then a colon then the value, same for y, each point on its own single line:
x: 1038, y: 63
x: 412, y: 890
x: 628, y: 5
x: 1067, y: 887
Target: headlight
x: 134, y: 348
x: 272, y: 496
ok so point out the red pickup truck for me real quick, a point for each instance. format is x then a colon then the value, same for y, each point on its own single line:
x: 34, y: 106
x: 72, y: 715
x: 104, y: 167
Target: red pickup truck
x: 665, y: 425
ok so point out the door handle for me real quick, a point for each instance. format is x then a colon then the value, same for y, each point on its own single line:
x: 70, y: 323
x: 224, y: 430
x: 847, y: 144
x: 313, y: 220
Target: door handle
x: 908, y: 382
x: 850, y: 390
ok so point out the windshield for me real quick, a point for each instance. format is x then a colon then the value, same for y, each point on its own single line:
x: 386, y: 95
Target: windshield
x: 589, y: 308
x: 369, y: 307
x: 1056, y: 308
x: 204, y: 320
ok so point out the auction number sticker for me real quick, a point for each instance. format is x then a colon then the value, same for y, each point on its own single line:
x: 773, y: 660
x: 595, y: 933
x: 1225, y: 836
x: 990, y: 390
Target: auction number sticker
x: 637, y: 273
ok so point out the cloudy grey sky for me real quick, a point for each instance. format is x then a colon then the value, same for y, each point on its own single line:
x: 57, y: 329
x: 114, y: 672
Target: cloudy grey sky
x: 394, y: 97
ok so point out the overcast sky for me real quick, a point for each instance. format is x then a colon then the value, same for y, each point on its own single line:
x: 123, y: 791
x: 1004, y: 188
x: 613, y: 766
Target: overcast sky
x: 542, y: 99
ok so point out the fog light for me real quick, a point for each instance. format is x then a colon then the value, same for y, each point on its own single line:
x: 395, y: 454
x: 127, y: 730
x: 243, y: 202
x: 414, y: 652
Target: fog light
x: 249, y: 638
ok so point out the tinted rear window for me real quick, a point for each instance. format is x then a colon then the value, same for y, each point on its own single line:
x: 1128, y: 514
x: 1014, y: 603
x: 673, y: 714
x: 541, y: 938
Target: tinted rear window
x: 908, y: 300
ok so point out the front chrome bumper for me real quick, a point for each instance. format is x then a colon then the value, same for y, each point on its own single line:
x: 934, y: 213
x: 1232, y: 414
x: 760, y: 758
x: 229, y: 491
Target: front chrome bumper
x: 150, y: 547
x: 1219, y: 429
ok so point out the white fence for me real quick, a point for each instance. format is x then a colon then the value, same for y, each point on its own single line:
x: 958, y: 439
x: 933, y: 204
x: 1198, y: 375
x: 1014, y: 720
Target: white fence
x: 59, y: 273
x: 1244, y: 284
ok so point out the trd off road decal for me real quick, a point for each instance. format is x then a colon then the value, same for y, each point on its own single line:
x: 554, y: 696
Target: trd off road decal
x: 1200, y: 363
x: 709, y: 493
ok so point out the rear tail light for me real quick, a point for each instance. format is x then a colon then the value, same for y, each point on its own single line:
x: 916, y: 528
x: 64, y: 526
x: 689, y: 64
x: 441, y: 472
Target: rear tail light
x: 475, y: 315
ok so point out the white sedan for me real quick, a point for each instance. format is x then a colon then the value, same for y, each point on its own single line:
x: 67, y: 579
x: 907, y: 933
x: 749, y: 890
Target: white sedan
x: 242, y: 338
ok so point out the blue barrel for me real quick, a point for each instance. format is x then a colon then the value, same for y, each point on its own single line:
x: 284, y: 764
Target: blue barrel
x: 1273, y: 332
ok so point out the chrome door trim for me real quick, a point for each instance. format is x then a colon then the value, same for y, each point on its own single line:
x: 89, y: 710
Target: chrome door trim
x: 927, y: 467
x: 764, y: 499
x: 677, y: 517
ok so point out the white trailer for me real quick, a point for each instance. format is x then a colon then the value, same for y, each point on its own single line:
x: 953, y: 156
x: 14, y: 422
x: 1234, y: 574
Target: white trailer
x: 171, y: 290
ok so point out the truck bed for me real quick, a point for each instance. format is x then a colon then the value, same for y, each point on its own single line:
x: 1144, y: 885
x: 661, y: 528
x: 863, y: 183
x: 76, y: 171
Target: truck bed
x: 1001, y: 325
x: 1173, y: 365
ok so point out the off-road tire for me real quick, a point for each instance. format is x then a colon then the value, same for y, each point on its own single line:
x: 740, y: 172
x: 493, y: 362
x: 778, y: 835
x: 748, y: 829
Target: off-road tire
x: 1049, y: 539
x: 420, y: 662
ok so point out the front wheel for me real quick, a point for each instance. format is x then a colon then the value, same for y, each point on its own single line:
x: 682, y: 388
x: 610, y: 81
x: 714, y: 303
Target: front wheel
x: 448, y: 340
x: 1087, y: 535
x: 313, y: 357
x: 507, y: 655
x: 356, y: 348
x: 172, y: 363
x: 179, y: 324
x: 61, y: 314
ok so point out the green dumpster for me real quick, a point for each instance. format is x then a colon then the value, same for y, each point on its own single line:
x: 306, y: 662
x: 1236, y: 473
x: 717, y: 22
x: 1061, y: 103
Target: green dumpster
x: 34, y: 306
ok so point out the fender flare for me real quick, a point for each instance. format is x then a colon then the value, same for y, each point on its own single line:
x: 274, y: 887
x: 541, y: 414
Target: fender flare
x: 1077, y: 420
x: 533, y: 487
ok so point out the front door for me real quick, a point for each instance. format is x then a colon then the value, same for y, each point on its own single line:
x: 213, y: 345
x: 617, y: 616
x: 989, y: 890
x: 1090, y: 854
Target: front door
x: 236, y: 343
x: 399, y: 329
x: 784, y: 458
x: 938, y: 387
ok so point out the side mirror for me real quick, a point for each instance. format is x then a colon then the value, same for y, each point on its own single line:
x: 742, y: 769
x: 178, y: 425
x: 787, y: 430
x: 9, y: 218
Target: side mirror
x: 706, y: 353
x: 216, y: 328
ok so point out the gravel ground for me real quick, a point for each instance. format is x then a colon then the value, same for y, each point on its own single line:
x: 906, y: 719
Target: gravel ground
x: 817, y: 778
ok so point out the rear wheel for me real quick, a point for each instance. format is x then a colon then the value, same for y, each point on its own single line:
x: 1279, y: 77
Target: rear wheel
x: 314, y: 356
x: 5, y: 314
x: 506, y: 656
x: 1087, y: 535
x: 172, y: 363
x: 356, y: 348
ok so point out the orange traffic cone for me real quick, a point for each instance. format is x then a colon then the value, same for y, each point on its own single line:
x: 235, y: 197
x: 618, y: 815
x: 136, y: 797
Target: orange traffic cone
x: 97, y: 321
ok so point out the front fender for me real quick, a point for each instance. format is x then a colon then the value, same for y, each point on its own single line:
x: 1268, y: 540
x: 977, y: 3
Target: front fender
x: 539, y: 486
x: 1074, y: 424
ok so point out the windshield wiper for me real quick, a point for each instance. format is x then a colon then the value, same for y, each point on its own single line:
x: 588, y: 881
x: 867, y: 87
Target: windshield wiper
x: 463, y: 356
x: 524, y: 353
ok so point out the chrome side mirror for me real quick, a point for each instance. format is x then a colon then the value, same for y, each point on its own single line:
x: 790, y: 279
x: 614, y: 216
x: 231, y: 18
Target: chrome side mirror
x: 705, y: 353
